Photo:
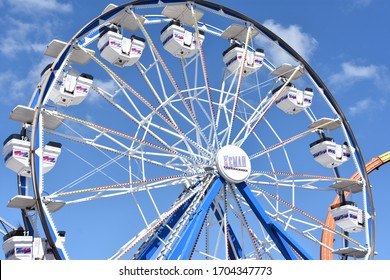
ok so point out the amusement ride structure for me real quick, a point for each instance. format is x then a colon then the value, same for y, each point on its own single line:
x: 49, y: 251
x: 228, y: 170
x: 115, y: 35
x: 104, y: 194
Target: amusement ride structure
x: 184, y: 130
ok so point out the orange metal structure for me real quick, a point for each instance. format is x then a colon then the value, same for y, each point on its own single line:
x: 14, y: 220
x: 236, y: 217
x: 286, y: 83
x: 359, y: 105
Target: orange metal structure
x: 327, y: 236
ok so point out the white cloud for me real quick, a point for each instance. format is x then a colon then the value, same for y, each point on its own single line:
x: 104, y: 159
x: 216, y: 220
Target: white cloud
x: 352, y: 73
x: 6, y: 80
x: 304, y: 44
x: 18, y: 38
x: 16, y: 87
x: 32, y: 6
x: 366, y: 105
x: 361, y: 3
x: 109, y: 86
x: 20, y: 88
x: 28, y: 34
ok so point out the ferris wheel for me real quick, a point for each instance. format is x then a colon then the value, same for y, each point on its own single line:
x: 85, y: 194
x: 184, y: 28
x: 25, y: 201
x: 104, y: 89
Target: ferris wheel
x: 184, y: 130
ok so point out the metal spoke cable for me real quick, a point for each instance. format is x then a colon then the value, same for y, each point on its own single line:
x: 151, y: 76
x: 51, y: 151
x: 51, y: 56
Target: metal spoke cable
x: 151, y: 228
x: 273, y: 100
x: 131, y: 117
x: 123, y: 135
x: 121, y: 185
x: 172, y: 79
x: 291, y: 139
x: 126, y: 153
x: 241, y: 73
x: 153, y: 90
x: 206, y: 77
x: 243, y: 219
x: 165, y: 149
x: 303, y: 175
x: 306, y: 215
x: 147, y: 103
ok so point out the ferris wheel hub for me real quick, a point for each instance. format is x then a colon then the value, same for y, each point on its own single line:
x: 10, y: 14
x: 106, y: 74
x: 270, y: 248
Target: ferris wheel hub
x: 233, y: 164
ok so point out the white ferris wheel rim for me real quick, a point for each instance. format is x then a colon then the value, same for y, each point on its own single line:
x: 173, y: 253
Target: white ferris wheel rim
x: 199, y: 157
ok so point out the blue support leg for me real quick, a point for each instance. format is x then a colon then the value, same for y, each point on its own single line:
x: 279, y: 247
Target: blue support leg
x: 187, y: 240
x: 236, y: 244
x: 152, y: 245
x: 282, y: 240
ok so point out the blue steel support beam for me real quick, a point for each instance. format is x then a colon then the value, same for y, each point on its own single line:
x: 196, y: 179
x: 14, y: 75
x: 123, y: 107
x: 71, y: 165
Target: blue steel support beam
x: 187, y: 240
x: 163, y: 232
x: 22, y: 190
x: 282, y: 240
x: 22, y: 182
x: 236, y: 244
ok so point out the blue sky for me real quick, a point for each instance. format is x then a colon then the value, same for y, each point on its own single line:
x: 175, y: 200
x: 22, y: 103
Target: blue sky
x: 345, y: 41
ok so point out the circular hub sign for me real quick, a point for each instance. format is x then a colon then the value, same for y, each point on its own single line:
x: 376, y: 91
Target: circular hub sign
x: 233, y: 164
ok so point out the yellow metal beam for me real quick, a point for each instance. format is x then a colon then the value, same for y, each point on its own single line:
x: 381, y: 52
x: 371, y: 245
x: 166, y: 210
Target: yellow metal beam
x: 385, y: 157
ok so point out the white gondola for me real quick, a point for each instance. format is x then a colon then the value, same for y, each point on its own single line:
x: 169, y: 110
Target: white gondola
x: 233, y: 56
x: 293, y: 100
x: 178, y: 41
x: 72, y: 90
x: 16, y: 155
x: 348, y: 216
x: 119, y: 50
x: 328, y: 153
x: 18, y: 245
x: 51, y: 151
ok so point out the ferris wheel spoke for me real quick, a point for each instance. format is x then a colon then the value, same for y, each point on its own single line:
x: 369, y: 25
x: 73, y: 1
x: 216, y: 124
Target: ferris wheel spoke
x: 308, y: 216
x: 141, y: 124
x: 127, y: 152
x: 123, y: 188
x: 152, y: 227
x: 238, y: 88
x: 282, y: 240
x: 257, y: 113
x: 168, y: 100
x: 248, y: 119
x: 165, y: 105
x: 172, y: 79
x: 154, y: 91
x: 147, y: 103
x: 204, y: 67
x: 118, y: 79
x: 289, y: 140
x: 100, y: 169
x: 89, y: 124
x: 270, y: 104
x: 135, y: 153
x: 268, y: 174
